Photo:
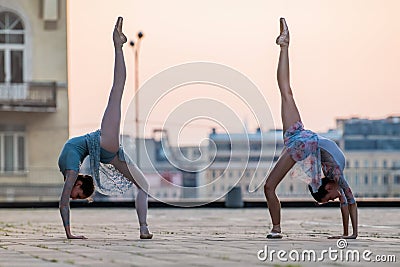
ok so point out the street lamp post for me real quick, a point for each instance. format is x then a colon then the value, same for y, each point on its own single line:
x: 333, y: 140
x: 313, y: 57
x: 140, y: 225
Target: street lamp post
x: 136, y: 50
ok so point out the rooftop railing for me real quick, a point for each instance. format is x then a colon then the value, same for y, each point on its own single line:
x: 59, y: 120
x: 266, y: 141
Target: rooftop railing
x: 30, y: 96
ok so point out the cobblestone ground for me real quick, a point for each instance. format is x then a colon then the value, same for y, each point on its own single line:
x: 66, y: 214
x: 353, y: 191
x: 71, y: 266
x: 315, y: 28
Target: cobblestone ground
x: 194, y: 237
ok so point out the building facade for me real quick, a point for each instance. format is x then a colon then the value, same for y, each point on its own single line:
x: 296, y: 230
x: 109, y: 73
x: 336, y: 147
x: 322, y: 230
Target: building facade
x: 173, y: 172
x: 33, y: 98
x: 245, y: 159
x: 372, y: 149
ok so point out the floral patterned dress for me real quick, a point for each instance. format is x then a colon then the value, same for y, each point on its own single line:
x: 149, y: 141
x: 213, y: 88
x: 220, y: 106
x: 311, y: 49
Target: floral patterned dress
x: 304, y: 147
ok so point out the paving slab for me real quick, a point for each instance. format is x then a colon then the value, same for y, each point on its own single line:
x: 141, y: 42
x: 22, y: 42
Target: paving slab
x: 197, y: 237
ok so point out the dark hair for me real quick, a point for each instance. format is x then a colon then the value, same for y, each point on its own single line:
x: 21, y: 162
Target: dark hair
x: 321, y: 193
x: 87, y: 184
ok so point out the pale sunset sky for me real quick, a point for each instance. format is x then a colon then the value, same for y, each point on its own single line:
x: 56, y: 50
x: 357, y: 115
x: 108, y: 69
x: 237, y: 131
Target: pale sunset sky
x: 344, y: 54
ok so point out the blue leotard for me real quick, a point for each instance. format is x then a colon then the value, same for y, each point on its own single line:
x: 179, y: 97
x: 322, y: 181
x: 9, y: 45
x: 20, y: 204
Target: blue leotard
x: 75, y: 151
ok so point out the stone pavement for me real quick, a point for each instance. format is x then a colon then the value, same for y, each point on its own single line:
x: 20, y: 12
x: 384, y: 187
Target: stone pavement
x: 194, y: 237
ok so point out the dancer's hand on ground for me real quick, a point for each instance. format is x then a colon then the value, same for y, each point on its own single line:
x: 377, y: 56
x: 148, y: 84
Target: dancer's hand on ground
x: 343, y: 237
x: 76, y: 237
x: 119, y: 37
x: 283, y: 38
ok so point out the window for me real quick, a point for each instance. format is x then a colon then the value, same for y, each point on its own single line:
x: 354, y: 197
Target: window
x: 397, y: 179
x: 366, y: 163
x: 2, y: 72
x: 224, y: 146
x: 255, y: 146
x: 12, y: 152
x: 196, y: 153
x: 356, y: 163
x: 160, y: 152
x: 222, y: 159
x: 396, y: 164
x: 360, y: 144
x: 12, y: 48
x: 254, y: 158
x: 385, y: 179
x: 375, y: 179
x: 366, y: 179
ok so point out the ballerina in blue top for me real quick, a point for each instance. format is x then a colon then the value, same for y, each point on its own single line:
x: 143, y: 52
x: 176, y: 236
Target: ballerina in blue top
x: 309, y: 152
x: 103, y: 146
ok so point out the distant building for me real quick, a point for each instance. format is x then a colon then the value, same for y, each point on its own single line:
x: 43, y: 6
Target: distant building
x: 33, y: 98
x: 371, y: 135
x: 372, y: 149
x: 171, y: 171
x: 244, y: 159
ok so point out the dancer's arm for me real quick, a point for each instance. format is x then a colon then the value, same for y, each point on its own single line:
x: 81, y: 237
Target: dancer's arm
x: 64, y: 203
x: 349, y: 207
x: 345, y: 219
x: 346, y: 210
x: 354, y: 220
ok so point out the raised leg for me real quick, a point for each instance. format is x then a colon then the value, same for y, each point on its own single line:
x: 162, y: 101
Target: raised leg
x: 110, y: 123
x: 289, y: 112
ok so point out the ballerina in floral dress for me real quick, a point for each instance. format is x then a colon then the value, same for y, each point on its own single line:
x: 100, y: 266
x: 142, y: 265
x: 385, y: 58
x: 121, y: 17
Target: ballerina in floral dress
x: 319, y: 158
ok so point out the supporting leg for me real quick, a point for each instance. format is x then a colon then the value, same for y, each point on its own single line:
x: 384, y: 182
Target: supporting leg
x: 282, y: 166
x: 134, y: 174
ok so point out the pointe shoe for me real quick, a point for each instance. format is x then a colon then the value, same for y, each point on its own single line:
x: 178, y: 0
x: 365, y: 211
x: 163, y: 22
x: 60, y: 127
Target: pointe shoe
x: 146, y: 236
x: 283, y: 38
x: 118, y: 36
x: 274, y: 235
x: 145, y: 233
